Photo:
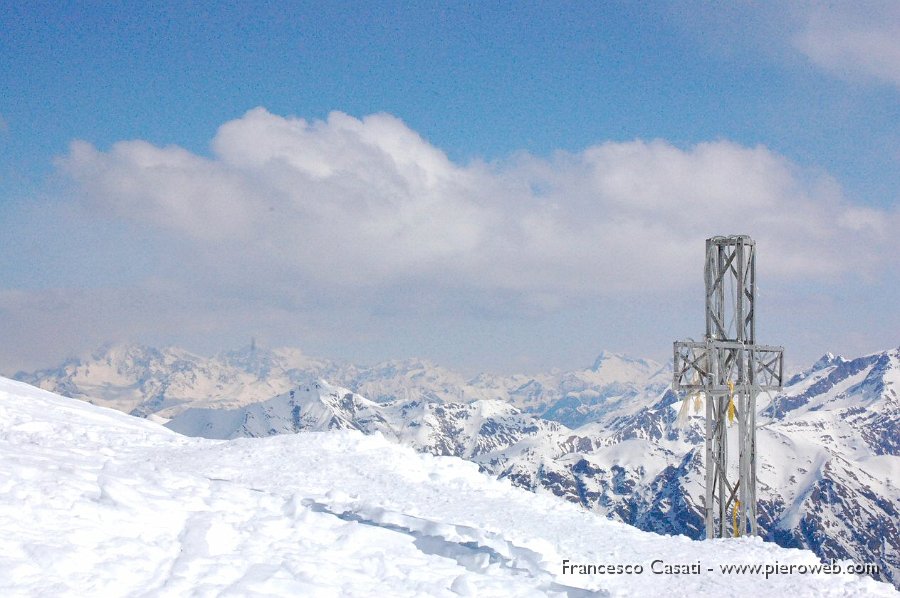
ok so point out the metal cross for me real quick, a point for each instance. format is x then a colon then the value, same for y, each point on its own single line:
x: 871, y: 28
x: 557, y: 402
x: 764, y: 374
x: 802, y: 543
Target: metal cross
x: 731, y: 370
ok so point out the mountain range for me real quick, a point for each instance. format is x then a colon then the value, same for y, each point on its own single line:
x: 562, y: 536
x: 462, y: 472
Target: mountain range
x: 98, y: 503
x: 604, y: 437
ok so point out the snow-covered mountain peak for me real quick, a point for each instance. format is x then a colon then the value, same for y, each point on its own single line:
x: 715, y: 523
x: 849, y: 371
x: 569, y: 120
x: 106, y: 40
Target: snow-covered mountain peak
x: 251, y: 359
x: 617, y: 366
x: 265, y: 363
x: 826, y: 360
x: 395, y: 379
x: 620, y: 371
x: 831, y: 381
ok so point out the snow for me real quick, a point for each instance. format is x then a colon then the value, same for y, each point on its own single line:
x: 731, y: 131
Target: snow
x: 96, y: 503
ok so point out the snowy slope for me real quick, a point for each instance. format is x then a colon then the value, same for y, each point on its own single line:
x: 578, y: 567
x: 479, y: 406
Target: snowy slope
x: 827, y: 459
x: 97, y: 503
x: 829, y: 444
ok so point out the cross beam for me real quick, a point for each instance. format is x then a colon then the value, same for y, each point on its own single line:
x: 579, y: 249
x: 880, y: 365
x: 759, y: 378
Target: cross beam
x: 727, y: 366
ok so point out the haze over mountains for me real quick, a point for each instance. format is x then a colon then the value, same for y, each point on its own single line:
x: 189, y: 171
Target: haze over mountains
x: 603, y: 437
x: 144, y: 380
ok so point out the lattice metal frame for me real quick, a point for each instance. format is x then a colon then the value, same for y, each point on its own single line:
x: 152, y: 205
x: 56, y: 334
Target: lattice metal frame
x: 726, y: 366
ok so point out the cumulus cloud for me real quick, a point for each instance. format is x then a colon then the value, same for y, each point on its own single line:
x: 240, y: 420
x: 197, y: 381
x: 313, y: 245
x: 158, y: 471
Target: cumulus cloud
x: 854, y: 39
x: 355, y: 204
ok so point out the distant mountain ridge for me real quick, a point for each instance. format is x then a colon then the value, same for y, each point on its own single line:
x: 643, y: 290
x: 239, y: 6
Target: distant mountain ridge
x: 143, y: 380
x: 828, y: 444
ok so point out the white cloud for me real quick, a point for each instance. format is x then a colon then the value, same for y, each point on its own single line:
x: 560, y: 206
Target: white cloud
x: 357, y: 238
x: 168, y: 187
x: 356, y: 204
x: 854, y: 39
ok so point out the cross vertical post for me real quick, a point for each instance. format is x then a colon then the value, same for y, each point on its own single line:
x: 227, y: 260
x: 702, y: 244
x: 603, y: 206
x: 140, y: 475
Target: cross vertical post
x: 730, y: 369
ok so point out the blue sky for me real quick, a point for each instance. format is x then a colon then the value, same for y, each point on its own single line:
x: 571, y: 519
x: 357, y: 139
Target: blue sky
x: 516, y: 185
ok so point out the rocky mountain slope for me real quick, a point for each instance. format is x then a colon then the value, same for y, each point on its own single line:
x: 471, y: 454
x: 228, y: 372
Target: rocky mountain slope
x: 828, y: 465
